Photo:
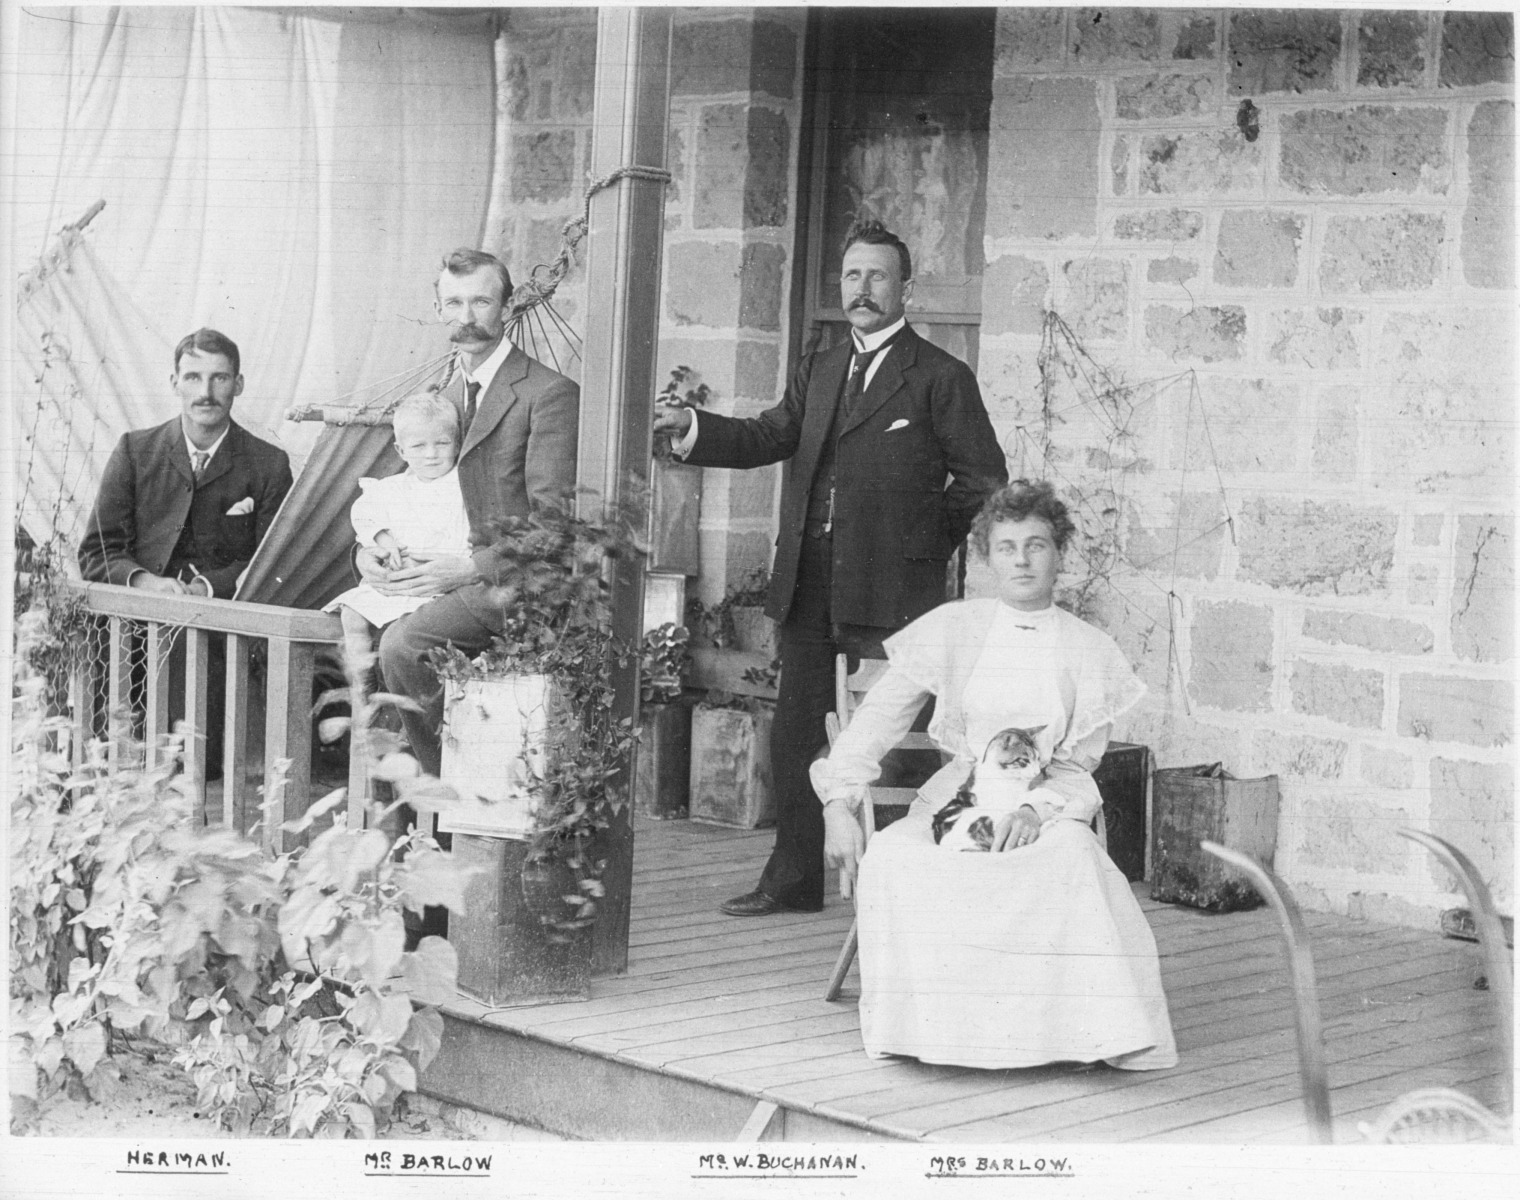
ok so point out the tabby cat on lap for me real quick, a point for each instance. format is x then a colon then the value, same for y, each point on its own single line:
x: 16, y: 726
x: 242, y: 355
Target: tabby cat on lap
x: 996, y: 787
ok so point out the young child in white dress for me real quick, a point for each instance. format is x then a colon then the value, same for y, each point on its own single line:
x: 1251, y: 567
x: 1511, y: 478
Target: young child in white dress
x: 421, y: 509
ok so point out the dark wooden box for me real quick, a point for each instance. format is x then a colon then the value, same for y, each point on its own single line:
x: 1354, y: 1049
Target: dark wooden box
x: 506, y: 953
x: 1205, y: 802
x: 1121, y: 779
x: 662, y: 774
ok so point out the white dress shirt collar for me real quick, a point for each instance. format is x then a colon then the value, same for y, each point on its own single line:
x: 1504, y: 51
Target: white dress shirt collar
x: 869, y: 341
x: 192, y: 449
x: 486, y: 372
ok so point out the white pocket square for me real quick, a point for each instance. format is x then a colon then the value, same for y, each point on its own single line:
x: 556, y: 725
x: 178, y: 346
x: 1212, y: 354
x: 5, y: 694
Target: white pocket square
x: 242, y: 508
x: 900, y: 423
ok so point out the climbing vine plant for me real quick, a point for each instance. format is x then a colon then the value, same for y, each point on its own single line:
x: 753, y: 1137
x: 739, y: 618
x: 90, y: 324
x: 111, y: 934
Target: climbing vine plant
x: 1085, y: 436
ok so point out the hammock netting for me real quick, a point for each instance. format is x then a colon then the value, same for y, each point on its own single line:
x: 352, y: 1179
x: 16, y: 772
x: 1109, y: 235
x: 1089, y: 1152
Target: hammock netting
x: 289, y: 177
x: 305, y: 559
x: 96, y: 346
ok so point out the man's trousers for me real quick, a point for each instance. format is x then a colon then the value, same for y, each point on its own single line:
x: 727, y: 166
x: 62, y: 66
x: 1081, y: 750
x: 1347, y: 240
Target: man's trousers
x: 809, y: 642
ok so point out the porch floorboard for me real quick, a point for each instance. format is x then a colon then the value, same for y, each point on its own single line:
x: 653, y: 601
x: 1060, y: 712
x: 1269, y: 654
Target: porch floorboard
x: 716, y: 1014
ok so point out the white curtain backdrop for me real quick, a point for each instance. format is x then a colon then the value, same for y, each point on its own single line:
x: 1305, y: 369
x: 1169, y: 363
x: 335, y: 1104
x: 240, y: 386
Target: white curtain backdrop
x: 290, y: 177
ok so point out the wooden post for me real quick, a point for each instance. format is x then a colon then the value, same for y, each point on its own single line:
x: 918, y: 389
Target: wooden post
x: 84, y: 682
x: 623, y: 253
x: 358, y: 771
x: 118, y: 690
x: 287, y: 734
x: 159, y: 646
x: 235, y: 814
x: 294, y: 635
x: 197, y: 652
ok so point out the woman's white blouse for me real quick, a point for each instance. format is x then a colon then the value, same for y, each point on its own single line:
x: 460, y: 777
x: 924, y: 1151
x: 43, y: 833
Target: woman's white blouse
x: 1046, y: 669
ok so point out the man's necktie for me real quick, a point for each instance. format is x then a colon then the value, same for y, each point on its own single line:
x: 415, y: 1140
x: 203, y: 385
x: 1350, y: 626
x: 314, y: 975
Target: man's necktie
x: 471, y: 391
x: 198, y: 462
x: 856, y: 386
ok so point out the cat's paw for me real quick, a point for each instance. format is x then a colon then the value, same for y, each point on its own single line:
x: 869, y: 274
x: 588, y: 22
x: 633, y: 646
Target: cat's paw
x: 981, y: 834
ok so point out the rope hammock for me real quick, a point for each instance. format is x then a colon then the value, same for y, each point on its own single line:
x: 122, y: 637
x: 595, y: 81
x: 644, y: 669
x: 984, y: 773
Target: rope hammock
x: 56, y: 257
x: 304, y: 559
x: 530, y: 314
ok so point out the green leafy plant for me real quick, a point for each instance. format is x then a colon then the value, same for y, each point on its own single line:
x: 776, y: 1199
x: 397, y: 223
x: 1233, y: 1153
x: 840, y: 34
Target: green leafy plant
x: 701, y: 621
x: 281, y: 984
x: 555, y: 598
x: 677, y: 394
x: 721, y: 698
x: 751, y: 591
x: 716, y: 621
x: 664, y: 659
x: 684, y: 389
x: 337, y: 1040
x: 41, y: 587
x: 768, y: 676
x: 1075, y: 388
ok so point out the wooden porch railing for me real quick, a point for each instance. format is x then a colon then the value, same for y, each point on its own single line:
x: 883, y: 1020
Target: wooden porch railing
x: 293, y: 637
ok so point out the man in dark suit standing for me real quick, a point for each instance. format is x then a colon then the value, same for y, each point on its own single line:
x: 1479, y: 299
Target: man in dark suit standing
x: 519, y: 423
x: 183, y: 506
x: 889, y: 453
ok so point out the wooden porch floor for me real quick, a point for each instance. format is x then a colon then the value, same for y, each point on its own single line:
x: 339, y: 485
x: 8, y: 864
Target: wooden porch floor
x: 734, y: 1006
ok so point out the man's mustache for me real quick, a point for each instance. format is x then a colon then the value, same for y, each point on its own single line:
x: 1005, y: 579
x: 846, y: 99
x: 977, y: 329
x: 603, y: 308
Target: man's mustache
x: 863, y: 302
x: 469, y: 333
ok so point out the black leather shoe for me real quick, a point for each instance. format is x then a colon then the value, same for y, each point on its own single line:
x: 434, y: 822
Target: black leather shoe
x: 759, y: 904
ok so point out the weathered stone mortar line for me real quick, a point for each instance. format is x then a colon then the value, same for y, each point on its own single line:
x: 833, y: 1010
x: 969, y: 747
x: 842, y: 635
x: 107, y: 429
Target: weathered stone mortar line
x: 1384, y: 354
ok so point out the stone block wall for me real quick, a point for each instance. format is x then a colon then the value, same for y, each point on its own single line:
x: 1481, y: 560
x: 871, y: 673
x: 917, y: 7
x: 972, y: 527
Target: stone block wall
x: 730, y: 228
x: 546, y: 77
x: 735, y: 105
x: 1296, y: 226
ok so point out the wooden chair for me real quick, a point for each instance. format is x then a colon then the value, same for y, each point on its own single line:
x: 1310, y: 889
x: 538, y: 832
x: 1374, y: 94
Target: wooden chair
x: 1445, y: 1114
x: 1424, y: 1115
x: 883, y: 805
x: 1314, y: 1076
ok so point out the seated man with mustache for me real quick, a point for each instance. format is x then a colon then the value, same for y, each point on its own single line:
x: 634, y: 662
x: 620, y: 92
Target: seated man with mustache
x: 518, y: 424
x: 183, y: 506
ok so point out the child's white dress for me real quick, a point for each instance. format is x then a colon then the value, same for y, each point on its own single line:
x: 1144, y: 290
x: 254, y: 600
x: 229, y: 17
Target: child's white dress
x: 422, y: 515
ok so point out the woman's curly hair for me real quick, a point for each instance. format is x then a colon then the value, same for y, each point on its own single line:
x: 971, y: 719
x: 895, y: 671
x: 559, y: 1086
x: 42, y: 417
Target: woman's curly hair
x: 1014, y: 502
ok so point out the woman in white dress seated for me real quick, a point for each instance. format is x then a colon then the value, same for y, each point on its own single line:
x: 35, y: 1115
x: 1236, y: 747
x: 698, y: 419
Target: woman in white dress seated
x: 1036, y: 950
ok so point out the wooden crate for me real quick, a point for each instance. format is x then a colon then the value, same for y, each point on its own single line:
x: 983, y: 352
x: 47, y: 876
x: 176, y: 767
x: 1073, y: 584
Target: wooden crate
x: 1121, y: 778
x: 1192, y: 804
x: 506, y: 954
x: 662, y: 778
x: 731, y: 767
x: 498, y: 738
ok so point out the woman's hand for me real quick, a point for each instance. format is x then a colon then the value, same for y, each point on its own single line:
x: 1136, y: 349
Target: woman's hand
x: 1017, y: 829
x: 844, y: 841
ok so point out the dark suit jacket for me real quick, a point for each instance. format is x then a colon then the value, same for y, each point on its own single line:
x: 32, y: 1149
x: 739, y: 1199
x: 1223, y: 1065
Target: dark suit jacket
x: 920, y: 425
x: 518, y: 456
x: 151, y: 515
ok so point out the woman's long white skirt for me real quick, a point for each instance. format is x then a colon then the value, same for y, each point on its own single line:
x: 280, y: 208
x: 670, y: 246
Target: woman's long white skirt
x: 1030, y: 956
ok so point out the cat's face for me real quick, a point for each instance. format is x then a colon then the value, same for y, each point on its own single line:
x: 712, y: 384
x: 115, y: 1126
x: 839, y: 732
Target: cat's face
x: 1013, y: 752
